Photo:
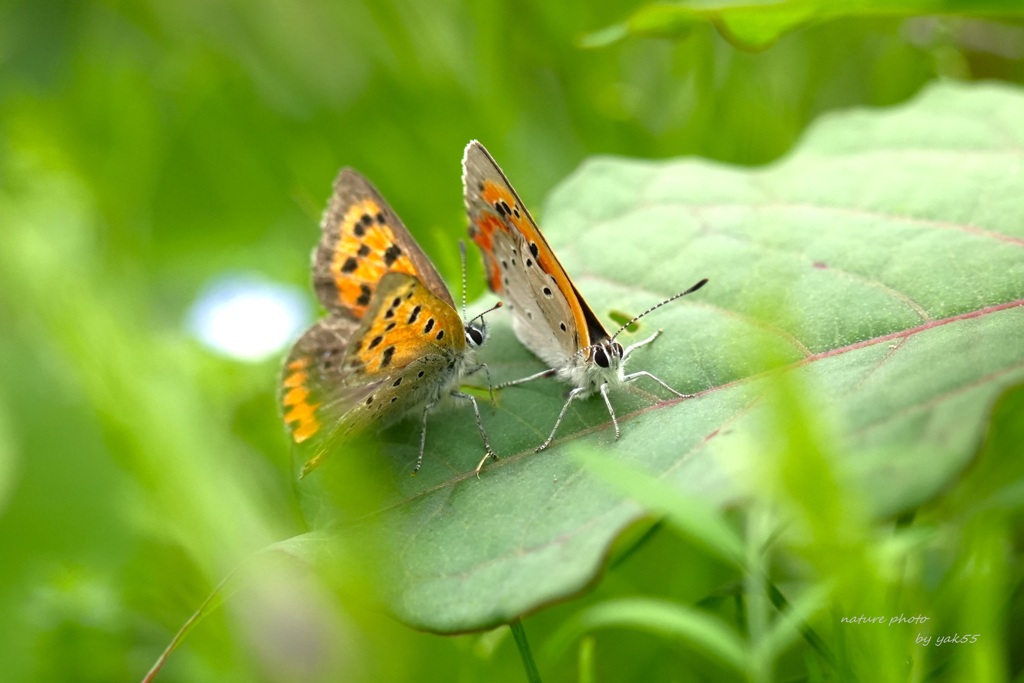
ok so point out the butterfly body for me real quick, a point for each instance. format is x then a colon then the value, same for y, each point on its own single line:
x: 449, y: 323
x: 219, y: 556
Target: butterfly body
x: 392, y: 343
x: 605, y: 367
x: 550, y: 317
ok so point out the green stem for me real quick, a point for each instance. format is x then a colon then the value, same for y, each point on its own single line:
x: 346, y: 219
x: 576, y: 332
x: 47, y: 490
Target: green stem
x: 586, y: 662
x: 809, y: 634
x: 519, y: 633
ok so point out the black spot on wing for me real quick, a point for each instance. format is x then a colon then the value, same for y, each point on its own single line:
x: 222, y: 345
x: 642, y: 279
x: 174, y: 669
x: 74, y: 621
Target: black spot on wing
x: 364, y: 295
x: 391, y: 254
x: 359, y: 229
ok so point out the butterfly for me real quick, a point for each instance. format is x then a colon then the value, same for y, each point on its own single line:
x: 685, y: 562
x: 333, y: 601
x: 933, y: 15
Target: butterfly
x: 549, y: 316
x: 392, y: 342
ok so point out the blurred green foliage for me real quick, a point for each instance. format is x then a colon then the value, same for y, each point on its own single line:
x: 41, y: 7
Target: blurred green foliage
x: 756, y: 25
x: 146, y: 147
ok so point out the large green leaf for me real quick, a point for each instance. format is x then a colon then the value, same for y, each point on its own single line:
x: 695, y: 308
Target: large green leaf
x: 880, y: 265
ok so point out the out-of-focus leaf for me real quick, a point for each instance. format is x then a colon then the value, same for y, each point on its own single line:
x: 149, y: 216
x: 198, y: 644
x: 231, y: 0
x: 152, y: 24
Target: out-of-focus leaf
x: 756, y: 24
x: 690, y: 516
x: 703, y: 633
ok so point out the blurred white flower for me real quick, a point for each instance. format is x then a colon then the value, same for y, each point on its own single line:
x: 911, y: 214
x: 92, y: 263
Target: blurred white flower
x: 247, y: 317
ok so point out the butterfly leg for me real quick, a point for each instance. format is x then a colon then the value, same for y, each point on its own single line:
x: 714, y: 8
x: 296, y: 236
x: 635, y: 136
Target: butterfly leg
x: 636, y: 345
x: 487, y: 371
x: 544, y: 373
x: 643, y: 373
x: 611, y: 411
x: 480, y: 427
x: 423, y: 437
x: 572, y: 395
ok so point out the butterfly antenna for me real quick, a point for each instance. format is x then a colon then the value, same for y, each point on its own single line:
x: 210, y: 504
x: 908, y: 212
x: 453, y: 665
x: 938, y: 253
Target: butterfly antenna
x: 583, y: 351
x: 492, y: 308
x: 655, y: 307
x: 462, y: 258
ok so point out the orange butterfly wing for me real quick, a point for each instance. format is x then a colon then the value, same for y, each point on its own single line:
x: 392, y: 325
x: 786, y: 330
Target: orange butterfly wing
x: 364, y: 259
x: 404, y: 324
x: 343, y: 376
x: 362, y: 239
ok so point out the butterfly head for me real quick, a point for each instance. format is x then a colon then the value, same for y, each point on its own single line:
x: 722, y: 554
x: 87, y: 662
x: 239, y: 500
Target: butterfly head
x: 597, y: 364
x: 476, y: 329
x: 607, y: 354
x: 476, y: 333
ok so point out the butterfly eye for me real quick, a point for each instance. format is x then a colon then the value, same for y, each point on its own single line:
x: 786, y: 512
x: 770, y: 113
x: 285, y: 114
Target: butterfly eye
x: 617, y: 349
x: 600, y: 357
x: 475, y: 335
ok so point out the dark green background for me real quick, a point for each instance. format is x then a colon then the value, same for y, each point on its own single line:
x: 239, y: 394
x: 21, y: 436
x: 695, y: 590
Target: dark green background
x: 147, y: 147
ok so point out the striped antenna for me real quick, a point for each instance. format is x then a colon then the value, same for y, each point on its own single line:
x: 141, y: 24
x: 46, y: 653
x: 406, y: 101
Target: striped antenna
x: 655, y: 307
